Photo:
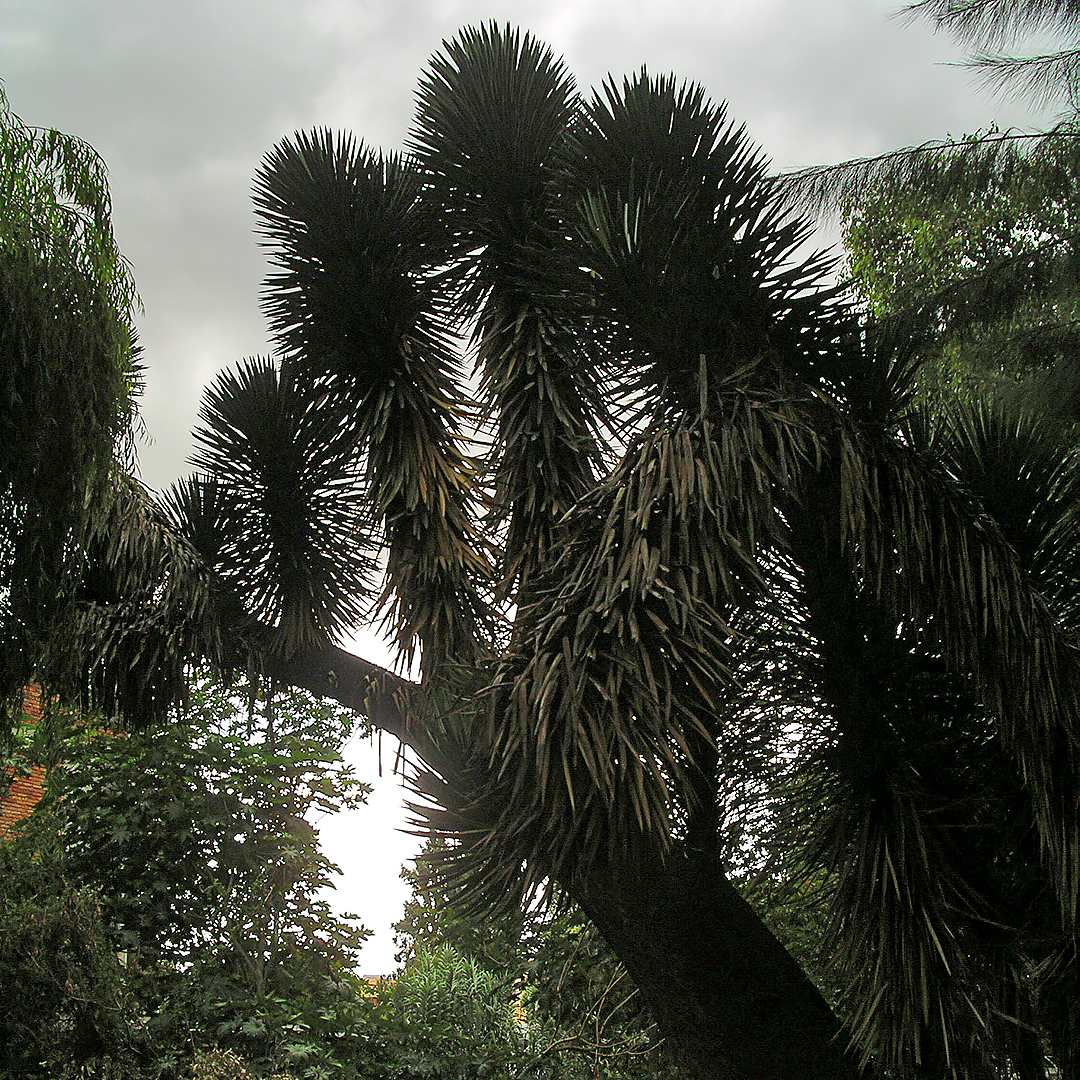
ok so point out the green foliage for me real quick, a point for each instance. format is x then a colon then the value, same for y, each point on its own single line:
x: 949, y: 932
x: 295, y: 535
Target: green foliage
x: 65, y: 1005
x: 984, y: 283
x: 199, y: 832
x: 967, y: 251
x: 574, y: 1010
x: 192, y: 856
x: 970, y: 254
x: 223, y: 1065
x: 68, y: 377
x: 441, y: 990
x: 431, y: 920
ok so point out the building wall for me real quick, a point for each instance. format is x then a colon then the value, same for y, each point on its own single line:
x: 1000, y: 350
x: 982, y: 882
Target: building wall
x: 24, y: 791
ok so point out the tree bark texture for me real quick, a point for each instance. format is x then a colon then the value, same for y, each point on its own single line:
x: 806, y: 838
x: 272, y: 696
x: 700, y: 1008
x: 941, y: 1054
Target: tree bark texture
x: 729, y: 999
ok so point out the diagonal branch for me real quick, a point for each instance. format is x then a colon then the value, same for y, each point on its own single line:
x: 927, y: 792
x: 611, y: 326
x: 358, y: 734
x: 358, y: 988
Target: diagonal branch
x: 388, y: 700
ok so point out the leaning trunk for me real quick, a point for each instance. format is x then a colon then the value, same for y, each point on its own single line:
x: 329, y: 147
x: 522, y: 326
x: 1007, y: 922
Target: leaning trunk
x: 728, y: 998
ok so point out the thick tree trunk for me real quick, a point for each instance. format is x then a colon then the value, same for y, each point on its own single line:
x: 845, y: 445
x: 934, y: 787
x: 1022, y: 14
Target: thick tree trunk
x: 727, y: 996
x: 729, y: 999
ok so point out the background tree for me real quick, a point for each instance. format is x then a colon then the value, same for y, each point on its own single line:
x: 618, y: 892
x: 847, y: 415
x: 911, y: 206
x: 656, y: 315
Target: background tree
x: 188, y: 851
x: 65, y: 1004
x: 578, y: 1011
x: 976, y: 237
x: 69, y: 377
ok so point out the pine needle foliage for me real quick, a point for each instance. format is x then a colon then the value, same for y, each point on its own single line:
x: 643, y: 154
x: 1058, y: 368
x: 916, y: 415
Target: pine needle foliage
x: 989, y: 25
x: 971, y: 164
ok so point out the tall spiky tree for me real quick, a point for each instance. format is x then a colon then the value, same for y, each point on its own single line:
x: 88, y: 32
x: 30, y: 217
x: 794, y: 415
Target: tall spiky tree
x: 732, y: 570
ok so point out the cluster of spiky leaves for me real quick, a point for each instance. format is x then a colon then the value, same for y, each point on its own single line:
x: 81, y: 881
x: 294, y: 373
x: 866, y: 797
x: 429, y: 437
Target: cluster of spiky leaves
x: 148, y: 606
x: 582, y: 654
x: 378, y: 260
x: 625, y: 650
x: 492, y: 116
x: 955, y: 860
x: 491, y: 111
x: 292, y: 512
x: 357, y: 310
x: 689, y: 242
x: 915, y: 797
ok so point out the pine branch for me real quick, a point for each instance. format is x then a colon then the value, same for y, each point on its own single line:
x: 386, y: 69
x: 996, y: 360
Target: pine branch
x: 1041, y: 79
x: 935, y: 169
x: 994, y: 22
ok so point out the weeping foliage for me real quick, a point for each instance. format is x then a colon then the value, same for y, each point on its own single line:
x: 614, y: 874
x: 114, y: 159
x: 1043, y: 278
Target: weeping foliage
x: 936, y: 168
x: 68, y: 376
x: 890, y: 794
x: 545, y: 415
x: 993, y: 22
x: 989, y: 25
x: 946, y: 829
x: 887, y: 793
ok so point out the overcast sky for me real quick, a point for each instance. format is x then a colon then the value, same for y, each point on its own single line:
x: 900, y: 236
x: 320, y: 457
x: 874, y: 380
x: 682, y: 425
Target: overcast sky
x: 182, y: 98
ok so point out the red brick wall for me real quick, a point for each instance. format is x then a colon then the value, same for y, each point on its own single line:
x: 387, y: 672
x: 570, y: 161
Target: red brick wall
x: 25, y: 791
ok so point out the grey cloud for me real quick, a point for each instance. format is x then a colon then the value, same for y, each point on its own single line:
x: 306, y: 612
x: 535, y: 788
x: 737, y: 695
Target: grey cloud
x: 183, y: 99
